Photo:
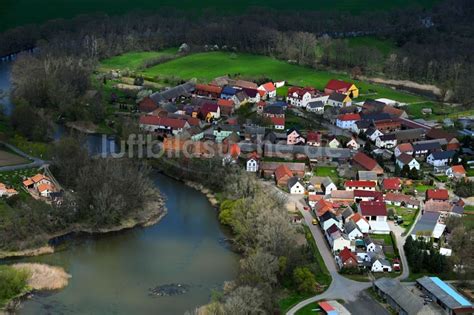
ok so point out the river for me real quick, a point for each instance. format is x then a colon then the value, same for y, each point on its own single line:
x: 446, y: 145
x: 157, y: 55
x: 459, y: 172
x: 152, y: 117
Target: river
x: 111, y: 274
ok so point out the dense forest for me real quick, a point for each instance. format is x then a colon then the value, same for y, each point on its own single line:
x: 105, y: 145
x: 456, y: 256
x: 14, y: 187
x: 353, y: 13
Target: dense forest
x: 432, y: 46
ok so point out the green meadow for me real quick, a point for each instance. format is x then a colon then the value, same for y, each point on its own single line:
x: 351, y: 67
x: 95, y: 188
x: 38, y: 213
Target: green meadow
x: 206, y: 66
x: 20, y: 12
x: 134, y: 60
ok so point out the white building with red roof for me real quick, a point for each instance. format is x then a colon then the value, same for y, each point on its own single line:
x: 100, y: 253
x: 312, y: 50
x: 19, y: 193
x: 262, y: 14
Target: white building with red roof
x: 269, y: 89
x: 347, y: 121
x: 163, y: 124
x: 300, y: 97
x: 375, y: 212
x: 360, y: 185
x: 343, y: 87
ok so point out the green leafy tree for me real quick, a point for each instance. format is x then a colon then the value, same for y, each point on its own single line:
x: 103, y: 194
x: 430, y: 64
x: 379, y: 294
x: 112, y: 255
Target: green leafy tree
x: 304, y: 280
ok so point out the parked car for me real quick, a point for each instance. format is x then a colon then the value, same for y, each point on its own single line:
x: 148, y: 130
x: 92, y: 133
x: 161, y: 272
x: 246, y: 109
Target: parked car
x: 314, y: 222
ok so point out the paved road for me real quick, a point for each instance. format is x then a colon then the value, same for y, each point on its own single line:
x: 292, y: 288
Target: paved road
x: 340, y: 287
x: 36, y: 162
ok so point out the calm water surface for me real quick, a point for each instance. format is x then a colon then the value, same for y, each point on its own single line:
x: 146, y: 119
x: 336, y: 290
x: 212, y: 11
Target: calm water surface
x: 112, y: 274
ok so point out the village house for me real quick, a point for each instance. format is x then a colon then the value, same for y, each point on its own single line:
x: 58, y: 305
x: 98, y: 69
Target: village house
x: 336, y: 239
x: 171, y: 95
x: 387, y: 141
x: 268, y: 168
x: 365, y: 162
x: 295, y: 187
x: 346, y: 259
x: 367, y: 175
x: 210, y: 111
x: 226, y: 107
x: 300, y: 97
x: 346, y: 121
x: 361, y: 126
x: 229, y: 92
x: 360, y: 185
x: 400, y: 298
x: 409, y: 135
x: 406, y: 148
x: 405, y: 159
x: 376, y: 214
x: 423, y: 148
x: 282, y: 175
x: 391, y: 184
x: 313, y: 138
x: 437, y: 194
x: 401, y: 200
x: 6, y: 192
x: 294, y: 137
x: 322, y: 206
x: 323, y: 185
x: 147, y: 105
x: 456, y: 171
x: 341, y: 87
x: 388, y: 125
x: 334, y: 143
x: 207, y: 90
x: 245, y: 84
x: 252, y: 162
x: 440, y: 158
x: 270, y: 111
x: 361, y: 222
x: 253, y: 95
x: 277, y: 123
x: 426, y: 225
x: 339, y: 100
x: 353, y: 144
x: 373, y: 134
x: 224, y: 131
x: 367, y: 195
x: 315, y: 107
x: 269, y: 89
x: 439, y: 134
x: 352, y: 231
x: 314, y: 199
x: 162, y: 124
x: 381, y: 265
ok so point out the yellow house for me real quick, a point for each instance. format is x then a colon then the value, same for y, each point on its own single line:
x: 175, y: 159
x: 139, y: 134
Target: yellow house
x: 350, y: 89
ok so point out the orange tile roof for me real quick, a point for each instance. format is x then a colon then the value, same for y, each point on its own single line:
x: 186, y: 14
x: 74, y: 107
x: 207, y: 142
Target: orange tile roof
x: 44, y: 187
x: 281, y: 171
x: 28, y: 182
x: 458, y: 169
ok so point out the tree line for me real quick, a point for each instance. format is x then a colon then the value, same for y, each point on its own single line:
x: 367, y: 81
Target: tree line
x: 432, y: 46
x: 98, y: 193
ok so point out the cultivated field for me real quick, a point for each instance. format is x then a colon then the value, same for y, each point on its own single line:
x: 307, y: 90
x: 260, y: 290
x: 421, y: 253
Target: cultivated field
x: 20, y: 12
x: 8, y: 158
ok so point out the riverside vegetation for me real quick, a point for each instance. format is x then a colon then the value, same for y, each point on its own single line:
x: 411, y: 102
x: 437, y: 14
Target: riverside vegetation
x: 276, y: 258
x: 100, y: 195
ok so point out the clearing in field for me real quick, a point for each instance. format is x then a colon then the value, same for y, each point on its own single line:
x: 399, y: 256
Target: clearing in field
x: 206, y: 66
x: 8, y: 158
x: 134, y: 60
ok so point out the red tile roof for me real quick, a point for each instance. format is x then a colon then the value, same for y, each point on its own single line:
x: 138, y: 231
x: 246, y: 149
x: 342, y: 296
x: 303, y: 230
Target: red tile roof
x: 365, y: 161
x: 337, y: 85
x: 405, y: 147
x: 147, y: 105
x: 278, y: 121
x: 300, y: 91
x: 313, y: 136
x: 356, y: 217
x: 223, y: 102
x: 392, y: 183
x: 162, y: 121
x: 377, y: 195
x: 459, y: 169
x: 437, y: 194
x: 346, y: 254
x: 359, y: 183
x: 373, y: 208
x: 349, y: 117
x: 281, y: 171
x: 269, y: 86
x: 208, y: 108
x: 209, y: 88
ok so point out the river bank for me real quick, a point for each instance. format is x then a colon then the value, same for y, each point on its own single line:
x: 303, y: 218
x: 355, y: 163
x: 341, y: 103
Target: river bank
x: 151, y: 214
x: 41, y: 277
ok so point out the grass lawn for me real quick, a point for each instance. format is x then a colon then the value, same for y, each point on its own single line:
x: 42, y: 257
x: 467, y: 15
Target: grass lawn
x: 423, y: 188
x: 468, y: 220
x: 470, y: 172
x: 13, y: 13
x: 310, y: 309
x: 206, y: 66
x: 15, y: 178
x: 133, y: 60
x: 330, y: 171
x: 407, y: 214
x: 36, y: 149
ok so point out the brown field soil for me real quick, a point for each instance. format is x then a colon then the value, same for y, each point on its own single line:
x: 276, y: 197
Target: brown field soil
x: 8, y: 158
